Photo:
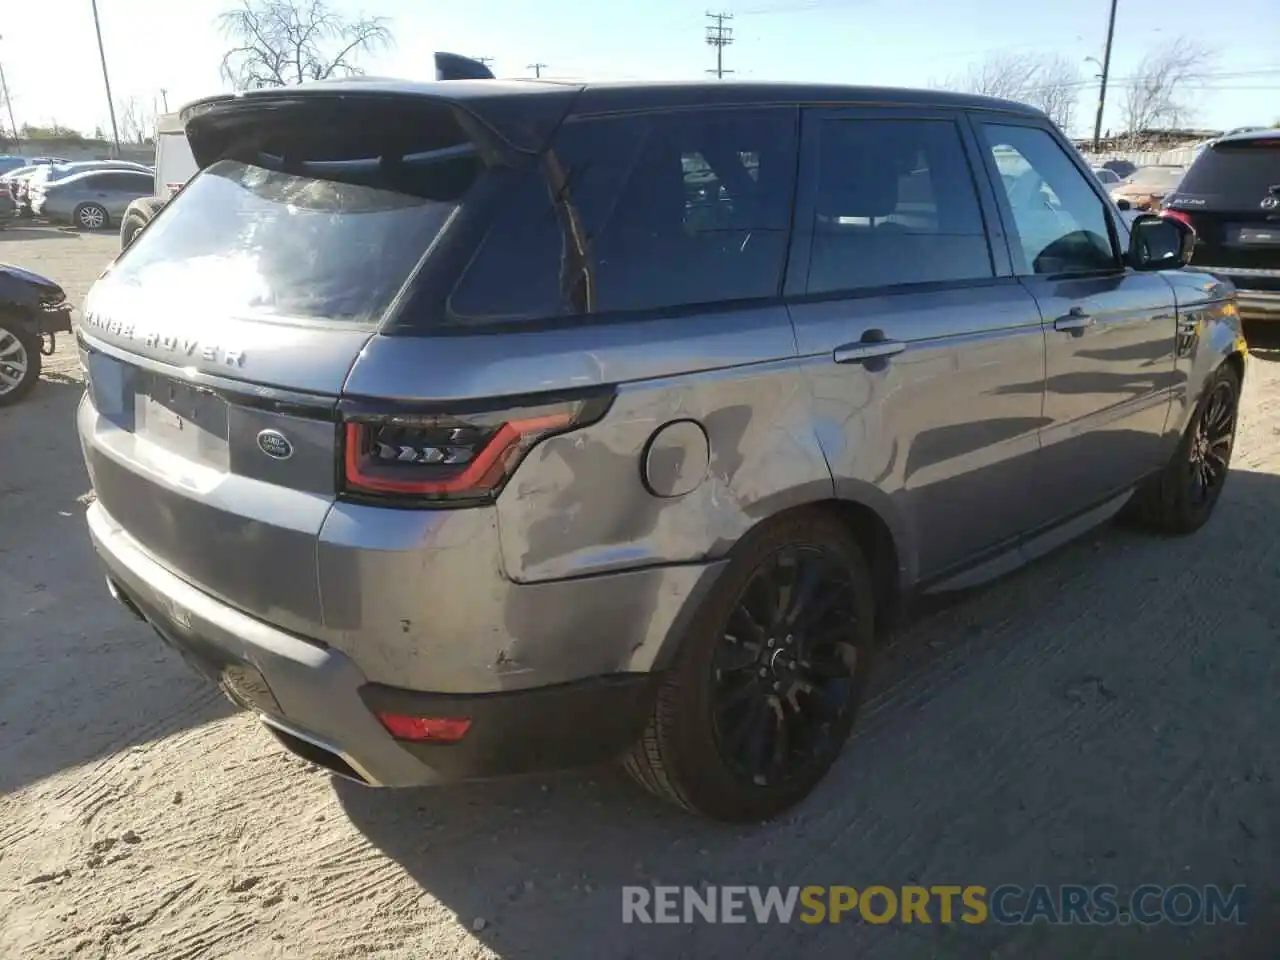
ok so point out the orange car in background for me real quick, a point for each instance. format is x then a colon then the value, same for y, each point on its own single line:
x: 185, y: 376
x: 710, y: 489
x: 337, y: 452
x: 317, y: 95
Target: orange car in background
x: 1146, y: 187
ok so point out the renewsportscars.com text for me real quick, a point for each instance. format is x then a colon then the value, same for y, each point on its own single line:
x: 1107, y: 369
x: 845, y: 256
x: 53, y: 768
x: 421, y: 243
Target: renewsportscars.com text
x: 1008, y: 904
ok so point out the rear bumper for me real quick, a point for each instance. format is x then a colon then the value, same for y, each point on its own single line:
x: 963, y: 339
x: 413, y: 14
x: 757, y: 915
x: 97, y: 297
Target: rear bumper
x: 320, y: 705
x: 1253, y: 303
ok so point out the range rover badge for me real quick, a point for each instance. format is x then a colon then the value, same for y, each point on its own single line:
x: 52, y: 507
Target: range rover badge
x: 275, y: 445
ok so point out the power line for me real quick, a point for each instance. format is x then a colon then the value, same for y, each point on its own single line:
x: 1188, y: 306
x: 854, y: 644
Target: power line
x: 719, y: 36
x: 537, y: 69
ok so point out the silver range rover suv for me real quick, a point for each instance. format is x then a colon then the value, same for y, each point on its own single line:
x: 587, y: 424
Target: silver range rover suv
x: 465, y: 428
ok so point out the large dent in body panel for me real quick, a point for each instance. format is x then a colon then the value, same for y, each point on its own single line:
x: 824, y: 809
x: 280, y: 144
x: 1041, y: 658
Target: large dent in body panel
x: 416, y: 599
x: 578, y: 504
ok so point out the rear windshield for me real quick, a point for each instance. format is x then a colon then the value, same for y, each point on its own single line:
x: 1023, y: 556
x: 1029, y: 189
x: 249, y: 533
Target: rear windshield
x: 251, y: 241
x: 1242, y: 172
x: 317, y: 210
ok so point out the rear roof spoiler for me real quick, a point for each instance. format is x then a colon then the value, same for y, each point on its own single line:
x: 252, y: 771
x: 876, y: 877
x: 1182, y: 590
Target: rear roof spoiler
x: 452, y: 66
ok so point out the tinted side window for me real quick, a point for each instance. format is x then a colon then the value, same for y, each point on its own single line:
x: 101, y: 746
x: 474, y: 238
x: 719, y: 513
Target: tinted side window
x: 641, y: 213
x: 1060, y: 223
x: 896, y: 204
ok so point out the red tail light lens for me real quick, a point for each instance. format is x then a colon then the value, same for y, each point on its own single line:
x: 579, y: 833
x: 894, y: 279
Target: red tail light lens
x: 1179, y: 216
x: 446, y: 458
x: 425, y: 729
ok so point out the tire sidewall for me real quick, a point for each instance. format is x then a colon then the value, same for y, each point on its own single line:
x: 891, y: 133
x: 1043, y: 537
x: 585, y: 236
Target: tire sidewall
x: 31, y: 343
x: 1193, y: 516
x: 723, y: 792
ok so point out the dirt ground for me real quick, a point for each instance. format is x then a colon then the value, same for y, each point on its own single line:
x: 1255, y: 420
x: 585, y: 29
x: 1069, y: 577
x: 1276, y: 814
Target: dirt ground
x: 1108, y: 715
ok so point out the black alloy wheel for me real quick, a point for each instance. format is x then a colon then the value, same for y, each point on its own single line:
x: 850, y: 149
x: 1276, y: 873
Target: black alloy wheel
x: 1210, y: 449
x: 769, y: 676
x: 783, y: 672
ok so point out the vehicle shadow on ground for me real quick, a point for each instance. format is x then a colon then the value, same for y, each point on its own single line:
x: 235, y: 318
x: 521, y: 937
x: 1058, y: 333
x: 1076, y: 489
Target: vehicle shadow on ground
x: 57, y: 619
x: 1023, y: 733
x: 41, y: 232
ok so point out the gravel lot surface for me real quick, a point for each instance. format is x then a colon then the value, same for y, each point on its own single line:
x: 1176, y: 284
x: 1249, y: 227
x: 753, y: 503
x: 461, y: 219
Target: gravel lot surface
x: 1108, y: 715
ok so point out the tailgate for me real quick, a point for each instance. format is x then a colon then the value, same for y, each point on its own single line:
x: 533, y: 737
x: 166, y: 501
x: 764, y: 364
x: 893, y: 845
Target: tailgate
x: 226, y: 488
x: 217, y: 344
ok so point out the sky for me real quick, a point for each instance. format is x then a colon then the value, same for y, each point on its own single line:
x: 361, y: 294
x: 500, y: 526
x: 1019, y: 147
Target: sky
x: 50, y: 59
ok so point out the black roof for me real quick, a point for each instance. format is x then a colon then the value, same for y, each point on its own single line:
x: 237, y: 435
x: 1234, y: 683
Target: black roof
x: 1248, y: 136
x: 523, y: 111
x: 656, y: 94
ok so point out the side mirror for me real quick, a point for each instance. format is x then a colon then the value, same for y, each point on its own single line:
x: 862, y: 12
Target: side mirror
x: 1159, y: 243
x: 1123, y: 204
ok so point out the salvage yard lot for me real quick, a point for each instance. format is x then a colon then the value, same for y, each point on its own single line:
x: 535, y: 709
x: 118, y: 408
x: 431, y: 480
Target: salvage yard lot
x: 1109, y: 715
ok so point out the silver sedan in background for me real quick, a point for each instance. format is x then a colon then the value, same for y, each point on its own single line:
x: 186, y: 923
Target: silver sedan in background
x: 93, y: 200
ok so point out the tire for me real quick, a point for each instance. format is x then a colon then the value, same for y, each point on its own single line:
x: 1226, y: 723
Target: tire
x: 91, y: 216
x: 20, y: 362
x: 686, y: 754
x: 1172, y: 501
x: 129, y: 231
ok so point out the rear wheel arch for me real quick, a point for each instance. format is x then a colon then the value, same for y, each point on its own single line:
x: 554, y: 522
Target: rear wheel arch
x: 884, y: 553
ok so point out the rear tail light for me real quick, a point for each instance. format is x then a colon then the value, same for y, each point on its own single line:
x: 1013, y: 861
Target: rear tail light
x: 1179, y: 216
x: 451, y: 459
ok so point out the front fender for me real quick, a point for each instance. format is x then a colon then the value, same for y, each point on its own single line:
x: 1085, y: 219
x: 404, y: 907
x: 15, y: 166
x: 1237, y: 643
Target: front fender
x: 24, y: 291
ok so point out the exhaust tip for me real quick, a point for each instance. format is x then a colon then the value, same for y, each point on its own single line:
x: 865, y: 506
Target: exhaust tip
x: 118, y: 594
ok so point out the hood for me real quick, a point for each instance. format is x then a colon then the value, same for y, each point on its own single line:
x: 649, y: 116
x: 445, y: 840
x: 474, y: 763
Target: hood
x: 24, y: 288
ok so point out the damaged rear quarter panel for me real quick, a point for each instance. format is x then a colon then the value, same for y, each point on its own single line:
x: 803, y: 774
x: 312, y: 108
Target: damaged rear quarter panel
x: 579, y: 504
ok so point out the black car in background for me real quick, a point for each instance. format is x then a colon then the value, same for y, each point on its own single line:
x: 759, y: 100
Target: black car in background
x: 1121, y: 168
x: 1231, y: 197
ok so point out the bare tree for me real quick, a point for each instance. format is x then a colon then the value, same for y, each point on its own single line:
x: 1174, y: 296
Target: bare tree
x: 1157, y: 94
x: 282, y: 42
x: 1050, y: 82
x: 132, y: 120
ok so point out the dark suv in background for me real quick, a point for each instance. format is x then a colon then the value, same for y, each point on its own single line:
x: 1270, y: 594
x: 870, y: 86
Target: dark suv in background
x: 471, y: 427
x: 1231, y: 197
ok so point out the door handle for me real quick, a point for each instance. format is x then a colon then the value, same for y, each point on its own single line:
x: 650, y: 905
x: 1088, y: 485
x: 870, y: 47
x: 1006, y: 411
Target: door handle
x: 862, y: 350
x: 1076, y: 321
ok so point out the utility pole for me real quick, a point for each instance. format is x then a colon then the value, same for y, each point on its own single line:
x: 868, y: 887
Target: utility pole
x: 4, y: 92
x: 1106, y: 69
x: 164, y: 98
x: 537, y: 69
x: 106, y: 80
x: 719, y: 36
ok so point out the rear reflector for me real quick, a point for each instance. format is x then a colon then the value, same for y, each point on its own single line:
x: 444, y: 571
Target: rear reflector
x: 435, y: 458
x: 425, y: 729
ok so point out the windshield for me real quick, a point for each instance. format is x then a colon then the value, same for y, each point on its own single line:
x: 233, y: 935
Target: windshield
x: 1155, y: 176
x: 1244, y: 172
x: 245, y: 240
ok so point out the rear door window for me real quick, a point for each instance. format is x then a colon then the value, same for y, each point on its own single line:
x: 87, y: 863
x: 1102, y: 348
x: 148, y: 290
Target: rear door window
x: 1239, y: 175
x: 640, y: 213
x: 895, y: 204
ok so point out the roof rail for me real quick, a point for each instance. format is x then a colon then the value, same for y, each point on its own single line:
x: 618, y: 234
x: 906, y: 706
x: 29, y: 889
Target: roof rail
x: 452, y: 66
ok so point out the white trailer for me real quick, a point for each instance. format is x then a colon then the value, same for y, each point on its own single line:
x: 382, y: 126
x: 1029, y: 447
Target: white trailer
x: 175, y: 165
